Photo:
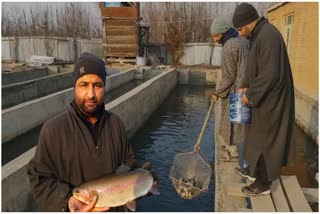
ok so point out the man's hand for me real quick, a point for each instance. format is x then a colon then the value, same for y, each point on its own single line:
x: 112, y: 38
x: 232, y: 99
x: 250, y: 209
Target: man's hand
x: 214, y: 98
x: 77, y: 206
x: 244, y: 100
x: 242, y: 90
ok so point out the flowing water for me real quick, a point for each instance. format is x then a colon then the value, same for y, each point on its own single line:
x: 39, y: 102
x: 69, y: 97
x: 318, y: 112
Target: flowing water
x: 174, y: 128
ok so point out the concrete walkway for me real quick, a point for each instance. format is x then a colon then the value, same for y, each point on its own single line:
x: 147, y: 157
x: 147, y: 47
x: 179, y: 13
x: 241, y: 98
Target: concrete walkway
x: 224, y: 170
x: 225, y: 175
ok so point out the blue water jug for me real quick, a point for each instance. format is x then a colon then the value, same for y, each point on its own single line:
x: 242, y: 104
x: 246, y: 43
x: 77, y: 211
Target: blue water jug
x: 238, y: 112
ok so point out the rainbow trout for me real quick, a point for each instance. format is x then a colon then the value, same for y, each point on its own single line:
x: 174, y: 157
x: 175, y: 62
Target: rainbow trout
x: 117, y: 189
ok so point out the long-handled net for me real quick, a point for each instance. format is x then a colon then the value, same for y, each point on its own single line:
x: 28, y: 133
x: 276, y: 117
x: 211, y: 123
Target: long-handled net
x: 190, y: 172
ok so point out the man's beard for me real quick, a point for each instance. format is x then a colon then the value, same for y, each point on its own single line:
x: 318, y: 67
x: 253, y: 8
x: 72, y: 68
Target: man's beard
x: 220, y: 41
x: 90, y: 112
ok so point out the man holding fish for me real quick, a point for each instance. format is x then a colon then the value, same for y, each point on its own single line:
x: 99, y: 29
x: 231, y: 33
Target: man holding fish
x: 83, y: 144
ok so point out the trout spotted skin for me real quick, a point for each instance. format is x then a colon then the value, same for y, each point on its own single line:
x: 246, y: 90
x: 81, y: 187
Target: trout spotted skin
x: 115, y: 190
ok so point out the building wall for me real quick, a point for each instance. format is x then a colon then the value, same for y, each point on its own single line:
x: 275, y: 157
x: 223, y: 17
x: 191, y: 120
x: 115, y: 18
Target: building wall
x: 304, y: 43
x: 303, y: 54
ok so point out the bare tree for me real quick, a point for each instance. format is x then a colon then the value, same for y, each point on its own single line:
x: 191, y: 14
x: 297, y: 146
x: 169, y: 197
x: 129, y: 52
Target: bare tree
x: 192, y: 18
x: 71, y: 21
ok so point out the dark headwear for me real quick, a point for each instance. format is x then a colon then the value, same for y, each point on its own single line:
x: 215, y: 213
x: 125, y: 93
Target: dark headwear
x: 89, y: 64
x: 244, y: 14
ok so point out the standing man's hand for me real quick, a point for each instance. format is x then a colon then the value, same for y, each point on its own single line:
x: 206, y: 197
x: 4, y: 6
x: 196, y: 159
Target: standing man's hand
x: 214, y: 98
x: 77, y: 206
x: 242, y: 90
x: 244, y: 99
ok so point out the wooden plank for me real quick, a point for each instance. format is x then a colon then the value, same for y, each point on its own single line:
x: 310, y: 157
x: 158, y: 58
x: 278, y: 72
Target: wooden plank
x: 119, y: 22
x: 121, y: 32
x: 114, y: 50
x: 116, y: 40
x: 293, y: 191
x: 261, y: 203
x: 278, y: 197
x: 120, y: 45
x: 127, y: 54
x: 121, y: 60
x: 125, y: 37
x: 123, y: 28
x: 234, y: 189
x: 120, y: 12
x: 311, y: 194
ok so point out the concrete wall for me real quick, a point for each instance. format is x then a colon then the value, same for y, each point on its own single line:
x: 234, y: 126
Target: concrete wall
x: 16, y: 192
x: 134, y: 108
x: 307, y: 110
x: 23, y: 117
x: 15, y: 77
x: 17, y: 93
x: 303, y: 53
x: 145, y: 73
x: 117, y: 80
x: 197, y: 77
x: 194, y: 54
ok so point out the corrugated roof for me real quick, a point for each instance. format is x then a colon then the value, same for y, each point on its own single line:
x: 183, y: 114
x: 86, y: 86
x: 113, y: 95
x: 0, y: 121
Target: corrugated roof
x: 275, y: 6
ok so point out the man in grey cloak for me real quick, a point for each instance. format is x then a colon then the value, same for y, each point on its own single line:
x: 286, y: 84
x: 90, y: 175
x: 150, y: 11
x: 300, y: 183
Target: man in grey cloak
x: 233, y: 60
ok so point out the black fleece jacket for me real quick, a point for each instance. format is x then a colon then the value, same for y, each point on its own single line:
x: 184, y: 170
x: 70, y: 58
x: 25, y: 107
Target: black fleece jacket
x: 70, y: 152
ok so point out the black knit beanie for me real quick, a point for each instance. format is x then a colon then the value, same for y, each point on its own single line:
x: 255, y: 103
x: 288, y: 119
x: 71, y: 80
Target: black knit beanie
x: 89, y: 64
x: 244, y: 14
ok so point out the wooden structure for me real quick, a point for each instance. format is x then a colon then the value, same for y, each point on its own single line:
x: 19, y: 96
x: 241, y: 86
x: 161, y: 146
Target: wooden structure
x: 120, y: 31
x: 286, y: 196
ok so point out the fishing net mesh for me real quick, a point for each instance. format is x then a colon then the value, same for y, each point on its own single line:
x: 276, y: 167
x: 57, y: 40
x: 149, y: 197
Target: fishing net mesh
x: 190, y: 174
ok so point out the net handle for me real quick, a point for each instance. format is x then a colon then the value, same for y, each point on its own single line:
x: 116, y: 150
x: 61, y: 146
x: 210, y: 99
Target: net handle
x: 197, y: 145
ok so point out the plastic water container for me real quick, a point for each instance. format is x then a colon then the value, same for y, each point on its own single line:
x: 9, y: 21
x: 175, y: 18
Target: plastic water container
x: 238, y: 112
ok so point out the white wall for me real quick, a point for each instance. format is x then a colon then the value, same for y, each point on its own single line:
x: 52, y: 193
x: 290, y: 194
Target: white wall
x: 199, y: 53
x: 22, y: 48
